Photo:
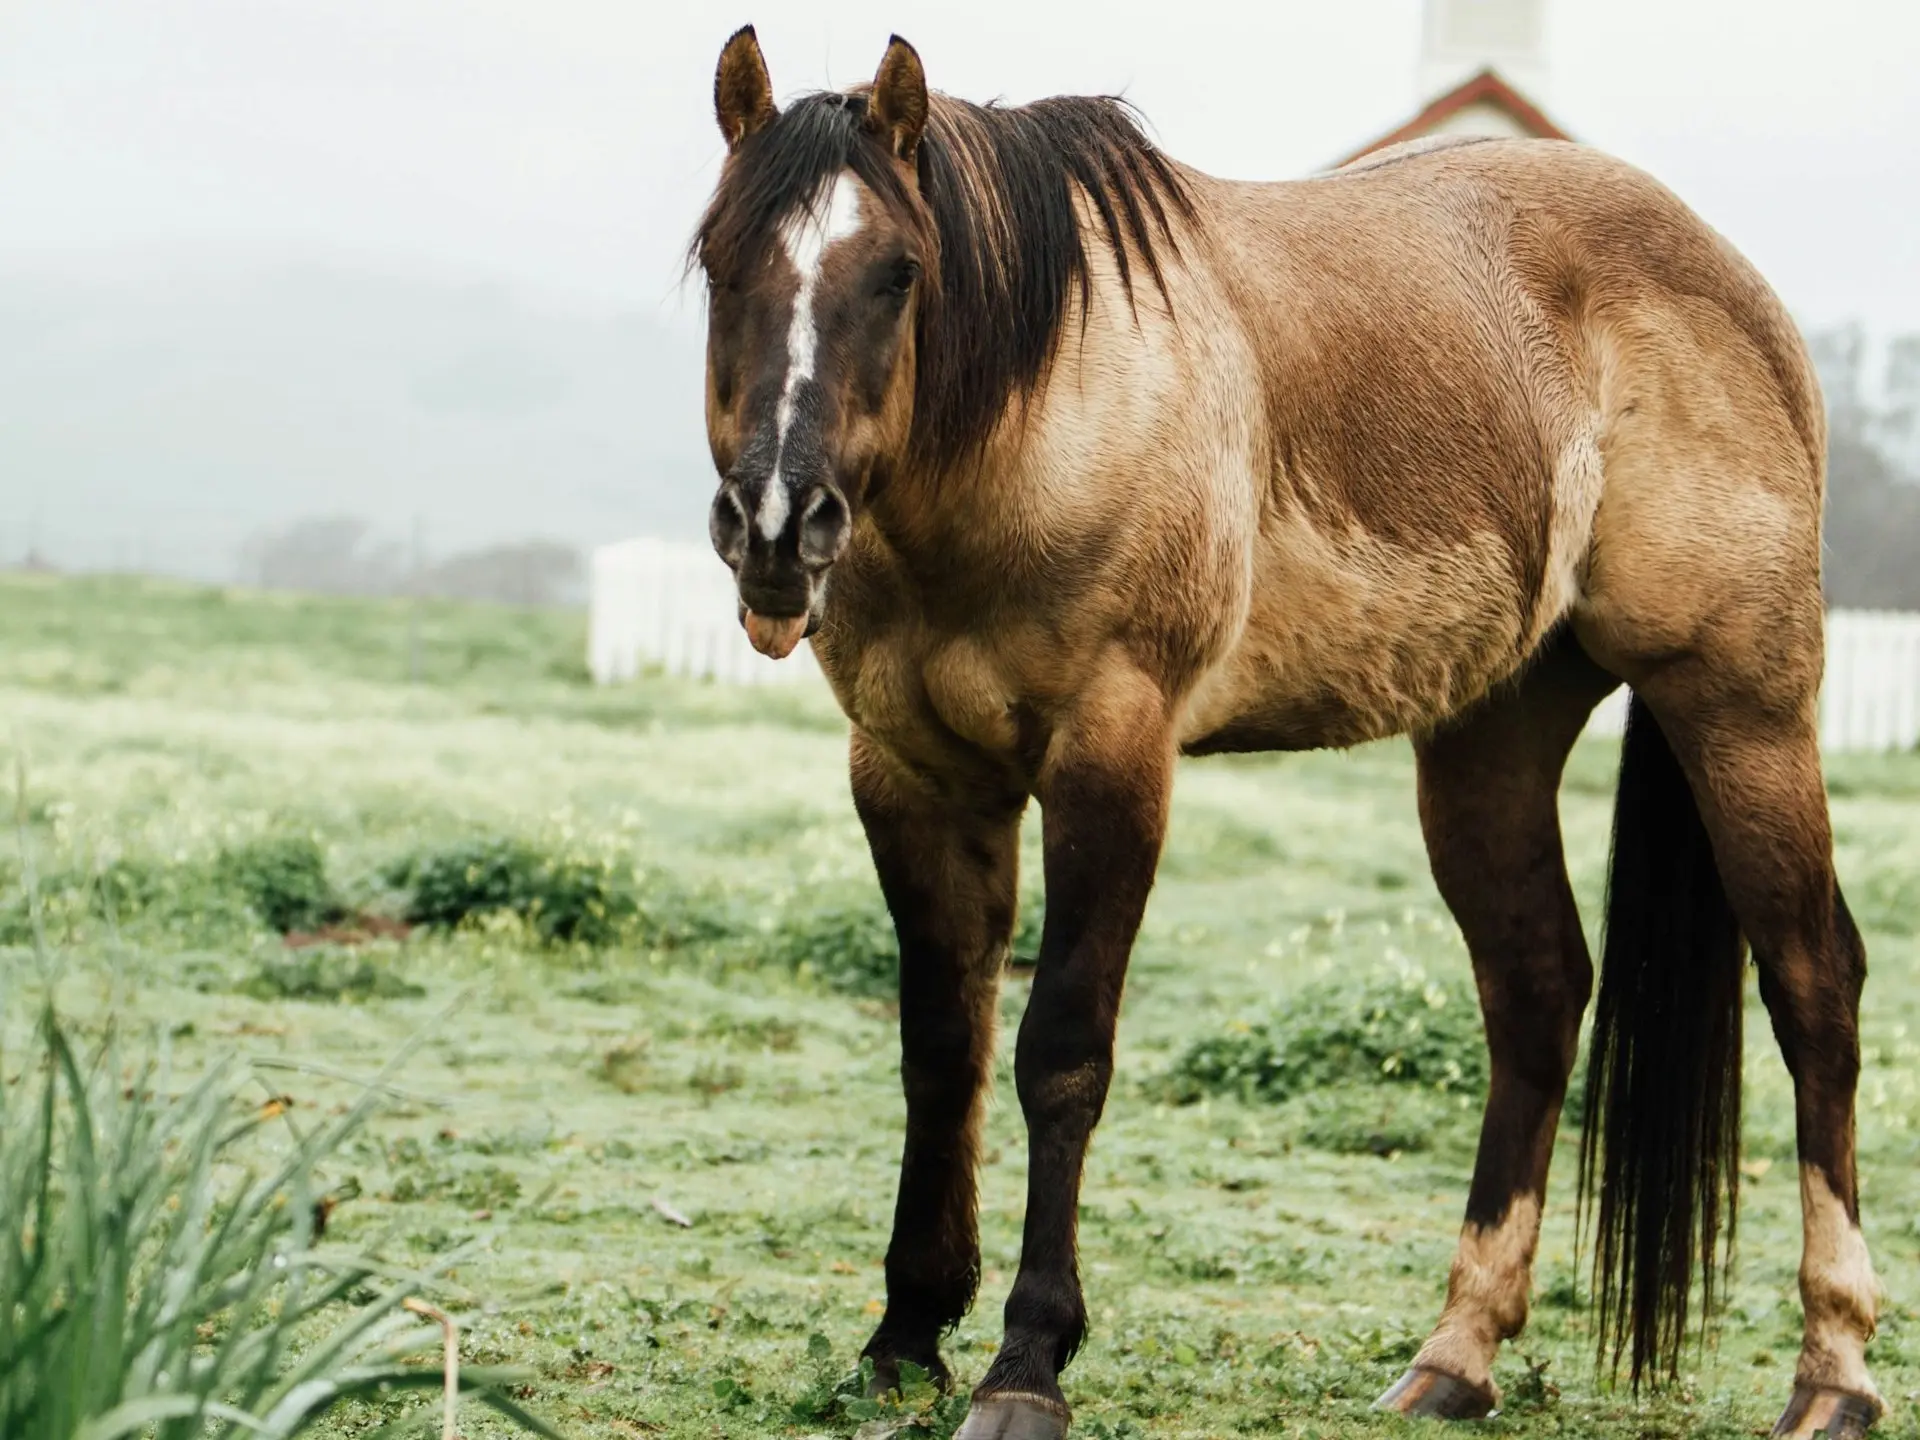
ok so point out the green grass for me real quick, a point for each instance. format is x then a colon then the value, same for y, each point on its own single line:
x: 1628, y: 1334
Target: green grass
x: 1271, y: 1201
x: 161, y: 1267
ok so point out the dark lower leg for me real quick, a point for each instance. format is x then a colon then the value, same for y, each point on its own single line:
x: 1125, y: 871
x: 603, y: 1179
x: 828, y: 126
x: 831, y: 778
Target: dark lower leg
x: 1812, y: 995
x: 1757, y: 777
x: 1531, y: 966
x: 1063, y: 1064
x: 1532, y: 1033
x: 1488, y: 810
x: 933, y: 1258
x: 1105, y: 800
x: 949, y: 877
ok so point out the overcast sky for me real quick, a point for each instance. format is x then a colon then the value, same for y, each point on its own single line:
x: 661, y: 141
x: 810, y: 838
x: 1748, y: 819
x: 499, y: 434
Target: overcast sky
x: 566, y: 145
x: 499, y: 194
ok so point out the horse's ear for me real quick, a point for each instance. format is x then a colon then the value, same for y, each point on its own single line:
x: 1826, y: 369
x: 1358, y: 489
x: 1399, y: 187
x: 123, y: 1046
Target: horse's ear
x: 742, y: 91
x: 897, y: 109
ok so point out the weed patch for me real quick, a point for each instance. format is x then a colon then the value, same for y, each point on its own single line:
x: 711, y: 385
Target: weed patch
x: 624, y: 1067
x: 483, y: 1187
x: 327, y: 974
x: 914, y: 1408
x: 188, y: 896
x: 1389, y: 1029
x: 848, y: 948
x: 1381, y: 1119
x: 435, y: 1171
x: 764, y: 1033
x: 709, y: 1079
x: 565, y: 898
x: 284, y: 879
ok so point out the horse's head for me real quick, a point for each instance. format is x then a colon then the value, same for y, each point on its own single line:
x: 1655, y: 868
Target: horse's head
x: 814, y: 248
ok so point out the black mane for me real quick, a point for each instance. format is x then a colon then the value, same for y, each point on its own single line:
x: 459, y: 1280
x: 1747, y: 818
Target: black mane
x: 997, y: 200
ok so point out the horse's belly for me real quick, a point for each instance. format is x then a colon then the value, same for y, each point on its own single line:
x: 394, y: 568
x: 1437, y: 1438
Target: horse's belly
x: 1356, y: 641
x: 1282, y: 722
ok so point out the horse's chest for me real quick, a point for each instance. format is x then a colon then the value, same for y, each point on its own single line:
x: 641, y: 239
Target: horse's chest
x: 931, y: 699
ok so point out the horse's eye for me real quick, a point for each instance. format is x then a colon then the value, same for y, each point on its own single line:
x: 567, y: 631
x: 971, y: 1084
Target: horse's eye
x: 900, y: 278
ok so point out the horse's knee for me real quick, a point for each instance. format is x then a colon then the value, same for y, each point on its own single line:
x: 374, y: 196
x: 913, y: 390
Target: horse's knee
x: 1063, y: 1078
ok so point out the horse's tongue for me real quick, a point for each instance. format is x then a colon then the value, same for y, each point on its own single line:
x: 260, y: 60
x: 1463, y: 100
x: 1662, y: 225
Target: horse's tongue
x: 776, y: 635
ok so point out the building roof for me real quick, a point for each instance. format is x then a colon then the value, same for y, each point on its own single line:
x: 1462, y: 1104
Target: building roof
x: 1486, y: 89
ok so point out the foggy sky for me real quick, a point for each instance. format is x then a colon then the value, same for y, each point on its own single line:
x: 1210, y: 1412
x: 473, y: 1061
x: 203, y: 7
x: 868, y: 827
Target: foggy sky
x: 568, y: 144
x: 560, y: 150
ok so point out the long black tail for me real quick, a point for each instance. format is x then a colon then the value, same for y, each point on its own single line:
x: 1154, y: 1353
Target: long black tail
x: 1662, y: 1134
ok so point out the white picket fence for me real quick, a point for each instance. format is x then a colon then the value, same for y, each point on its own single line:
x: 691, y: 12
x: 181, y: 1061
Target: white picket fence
x: 1870, y: 702
x: 1871, y: 699
x: 660, y: 604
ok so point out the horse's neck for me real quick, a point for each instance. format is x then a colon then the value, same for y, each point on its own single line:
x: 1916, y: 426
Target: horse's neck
x: 943, y: 522
x: 1141, y: 427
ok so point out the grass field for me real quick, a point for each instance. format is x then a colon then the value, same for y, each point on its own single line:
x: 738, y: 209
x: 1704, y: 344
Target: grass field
x: 653, y: 1091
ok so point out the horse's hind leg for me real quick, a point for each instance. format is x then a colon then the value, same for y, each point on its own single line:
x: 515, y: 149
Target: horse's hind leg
x: 1488, y: 788
x: 1703, y: 592
x: 1744, y: 731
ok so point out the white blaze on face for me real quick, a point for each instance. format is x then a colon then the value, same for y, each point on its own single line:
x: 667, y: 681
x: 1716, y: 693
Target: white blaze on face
x: 807, y: 237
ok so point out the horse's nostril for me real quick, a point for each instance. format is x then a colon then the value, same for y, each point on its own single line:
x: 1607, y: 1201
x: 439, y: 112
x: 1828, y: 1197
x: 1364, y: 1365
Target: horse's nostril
x: 727, y: 525
x: 824, y: 527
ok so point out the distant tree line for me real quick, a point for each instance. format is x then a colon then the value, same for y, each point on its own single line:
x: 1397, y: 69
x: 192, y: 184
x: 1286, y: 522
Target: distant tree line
x: 1873, y: 470
x: 341, y: 555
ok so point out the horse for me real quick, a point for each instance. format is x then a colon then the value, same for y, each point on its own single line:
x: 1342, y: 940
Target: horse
x: 1072, y: 459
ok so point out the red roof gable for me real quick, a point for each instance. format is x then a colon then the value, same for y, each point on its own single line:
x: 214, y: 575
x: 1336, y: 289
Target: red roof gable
x: 1485, y: 88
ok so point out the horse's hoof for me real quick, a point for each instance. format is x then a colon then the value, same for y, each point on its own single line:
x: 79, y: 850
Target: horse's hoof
x: 1836, y: 1414
x: 1014, y: 1417
x: 1437, y: 1395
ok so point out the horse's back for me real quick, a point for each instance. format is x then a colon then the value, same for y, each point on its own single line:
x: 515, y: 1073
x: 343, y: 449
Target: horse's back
x: 1595, y: 260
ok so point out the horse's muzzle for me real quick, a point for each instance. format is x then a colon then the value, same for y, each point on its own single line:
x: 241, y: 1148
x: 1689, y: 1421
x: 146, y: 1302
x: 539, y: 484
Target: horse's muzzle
x: 780, y: 565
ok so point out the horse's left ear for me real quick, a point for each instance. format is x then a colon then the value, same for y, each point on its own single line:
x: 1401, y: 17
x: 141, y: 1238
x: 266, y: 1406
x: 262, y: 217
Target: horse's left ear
x: 742, y: 89
x: 897, y: 109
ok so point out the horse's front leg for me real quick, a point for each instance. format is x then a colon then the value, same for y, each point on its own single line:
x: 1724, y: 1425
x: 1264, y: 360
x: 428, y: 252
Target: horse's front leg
x: 949, y: 872
x: 1103, y: 789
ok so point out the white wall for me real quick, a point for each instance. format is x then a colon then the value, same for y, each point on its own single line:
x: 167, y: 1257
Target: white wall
x: 1461, y: 37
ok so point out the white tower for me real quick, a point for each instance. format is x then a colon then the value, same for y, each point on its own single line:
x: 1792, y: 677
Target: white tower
x: 1461, y: 37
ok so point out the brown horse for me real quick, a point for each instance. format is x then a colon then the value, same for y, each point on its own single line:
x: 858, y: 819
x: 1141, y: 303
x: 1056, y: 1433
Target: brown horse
x: 1072, y: 460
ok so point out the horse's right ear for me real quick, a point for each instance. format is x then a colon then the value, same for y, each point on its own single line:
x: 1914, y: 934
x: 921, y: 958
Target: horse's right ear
x: 742, y: 91
x: 897, y: 108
